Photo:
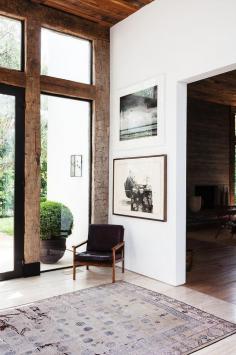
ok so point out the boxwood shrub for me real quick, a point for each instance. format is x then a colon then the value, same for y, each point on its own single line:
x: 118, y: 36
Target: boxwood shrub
x: 56, y: 220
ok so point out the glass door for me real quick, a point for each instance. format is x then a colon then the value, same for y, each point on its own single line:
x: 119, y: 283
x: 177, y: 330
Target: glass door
x: 65, y: 178
x: 11, y: 181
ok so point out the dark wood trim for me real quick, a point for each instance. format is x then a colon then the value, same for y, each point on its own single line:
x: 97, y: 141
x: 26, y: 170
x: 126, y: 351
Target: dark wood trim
x: 67, y: 88
x: 12, y: 77
x: 53, y: 19
x: 165, y: 187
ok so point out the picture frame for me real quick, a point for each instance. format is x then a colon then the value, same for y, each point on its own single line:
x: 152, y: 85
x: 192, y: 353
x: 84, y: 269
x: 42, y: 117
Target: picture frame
x: 76, y: 165
x: 140, y: 115
x: 140, y: 187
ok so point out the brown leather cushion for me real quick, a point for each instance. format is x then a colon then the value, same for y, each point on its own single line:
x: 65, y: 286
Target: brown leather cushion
x: 103, y: 237
x: 96, y: 257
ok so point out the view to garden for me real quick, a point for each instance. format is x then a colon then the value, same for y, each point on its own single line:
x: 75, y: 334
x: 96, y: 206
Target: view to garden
x: 10, y: 57
x: 62, y: 218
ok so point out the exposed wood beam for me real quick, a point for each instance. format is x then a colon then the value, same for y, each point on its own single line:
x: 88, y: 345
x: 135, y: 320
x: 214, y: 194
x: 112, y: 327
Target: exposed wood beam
x: 100, y: 143
x: 103, y: 12
x: 12, y: 77
x: 68, y: 88
x: 54, y: 18
x: 219, y: 89
x: 32, y: 142
x: 97, y: 14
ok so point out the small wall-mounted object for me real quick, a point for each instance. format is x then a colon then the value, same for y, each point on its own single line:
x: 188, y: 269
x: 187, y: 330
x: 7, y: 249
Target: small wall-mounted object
x: 76, y: 165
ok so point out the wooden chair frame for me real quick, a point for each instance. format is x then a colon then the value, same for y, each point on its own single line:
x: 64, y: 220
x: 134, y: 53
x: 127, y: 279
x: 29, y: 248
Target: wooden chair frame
x: 119, y: 246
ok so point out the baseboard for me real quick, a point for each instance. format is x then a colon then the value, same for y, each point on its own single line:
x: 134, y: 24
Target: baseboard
x: 31, y: 269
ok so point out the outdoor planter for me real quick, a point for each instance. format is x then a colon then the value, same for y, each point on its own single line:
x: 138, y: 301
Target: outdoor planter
x: 56, y: 222
x: 52, y: 250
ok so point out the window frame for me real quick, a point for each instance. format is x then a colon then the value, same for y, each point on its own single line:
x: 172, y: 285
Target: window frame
x: 34, y: 17
x: 91, y: 71
x: 22, y: 47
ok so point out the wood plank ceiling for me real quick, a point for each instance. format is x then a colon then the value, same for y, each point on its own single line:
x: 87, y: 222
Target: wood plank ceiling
x: 104, y: 12
x: 220, y: 89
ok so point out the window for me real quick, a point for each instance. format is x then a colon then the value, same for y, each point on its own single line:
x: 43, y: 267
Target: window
x: 10, y: 43
x: 65, y: 57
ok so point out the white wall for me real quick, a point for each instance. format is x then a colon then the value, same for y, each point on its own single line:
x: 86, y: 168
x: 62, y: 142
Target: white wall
x: 185, y: 40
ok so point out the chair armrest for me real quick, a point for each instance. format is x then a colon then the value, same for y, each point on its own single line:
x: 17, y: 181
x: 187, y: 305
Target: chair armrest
x: 79, y: 245
x: 118, y: 246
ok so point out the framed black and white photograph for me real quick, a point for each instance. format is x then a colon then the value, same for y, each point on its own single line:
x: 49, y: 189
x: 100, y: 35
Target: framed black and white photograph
x: 139, y: 187
x: 140, y: 114
x: 76, y: 165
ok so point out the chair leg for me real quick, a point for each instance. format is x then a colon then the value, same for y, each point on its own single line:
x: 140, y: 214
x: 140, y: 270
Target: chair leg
x: 74, y: 271
x: 113, y: 272
x: 87, y: 267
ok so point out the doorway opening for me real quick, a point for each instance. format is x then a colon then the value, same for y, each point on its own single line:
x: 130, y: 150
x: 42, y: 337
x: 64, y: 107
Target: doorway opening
x: 11, y: 182
x: 65, y: 178
x: 211, y: 212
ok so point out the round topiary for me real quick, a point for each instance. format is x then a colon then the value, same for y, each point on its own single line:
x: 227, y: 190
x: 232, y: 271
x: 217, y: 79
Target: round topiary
x: 56, y: 220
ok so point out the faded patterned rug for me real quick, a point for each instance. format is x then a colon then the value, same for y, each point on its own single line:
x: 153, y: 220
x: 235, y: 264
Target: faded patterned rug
x: 118, y: 318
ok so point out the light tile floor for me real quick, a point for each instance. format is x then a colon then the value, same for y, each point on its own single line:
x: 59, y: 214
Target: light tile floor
x: 7, y: 256
x: 22, y: 291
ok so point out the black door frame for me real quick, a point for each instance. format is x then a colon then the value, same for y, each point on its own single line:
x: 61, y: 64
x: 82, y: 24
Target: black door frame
x: 19, y: 94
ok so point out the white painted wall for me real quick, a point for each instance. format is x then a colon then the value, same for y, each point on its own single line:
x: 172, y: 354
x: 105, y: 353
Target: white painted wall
x: 185, y: 40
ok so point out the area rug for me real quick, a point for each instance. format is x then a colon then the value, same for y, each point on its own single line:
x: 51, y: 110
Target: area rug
x: 118, y: 318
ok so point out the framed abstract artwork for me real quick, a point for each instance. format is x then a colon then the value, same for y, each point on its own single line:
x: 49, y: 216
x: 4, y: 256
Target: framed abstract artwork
x: 140, y: 187
x: 141, y: 114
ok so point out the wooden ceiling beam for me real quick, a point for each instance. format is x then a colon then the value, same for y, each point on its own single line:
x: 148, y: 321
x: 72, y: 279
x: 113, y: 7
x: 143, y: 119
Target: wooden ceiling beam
x: 112, y: 6
x: 87, y: 11
x: 104, y: 12
x: 53, y: 18
x: 219, y: 89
